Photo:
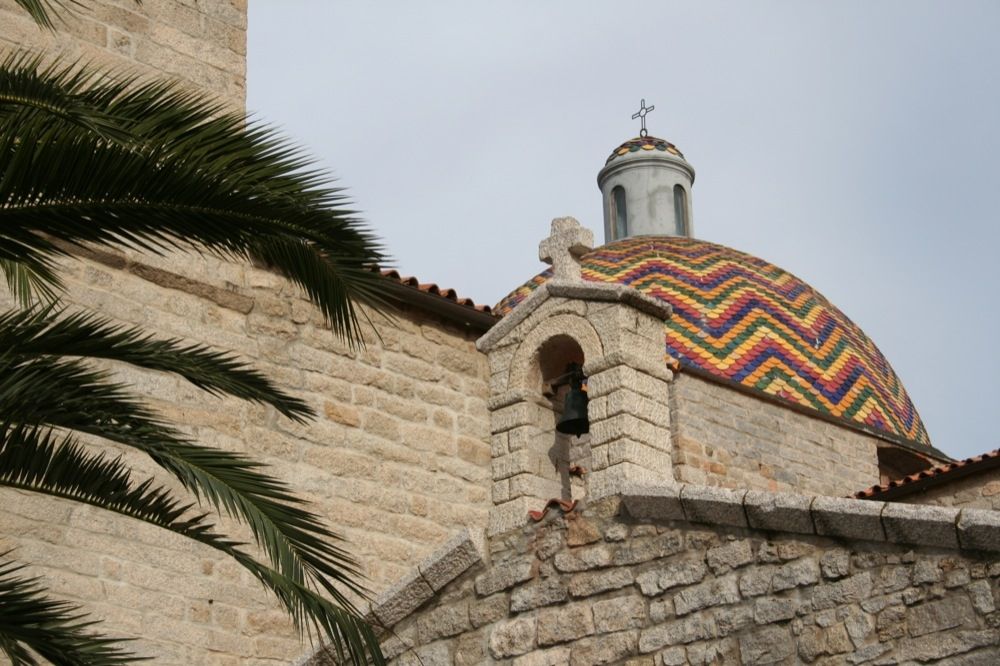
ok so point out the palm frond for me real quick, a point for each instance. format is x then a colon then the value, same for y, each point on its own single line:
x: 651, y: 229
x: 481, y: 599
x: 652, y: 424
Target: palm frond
x: 44, y: 331
x: 31, y: 623
x: 30, y: 285
x: 31, y: 459
x: 70, y: 395
x: 211, y: 181
x: 35, y: 96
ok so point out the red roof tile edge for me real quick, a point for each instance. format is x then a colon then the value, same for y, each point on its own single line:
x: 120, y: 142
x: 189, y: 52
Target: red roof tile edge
x: 431, y: 288
x: 934, y: 476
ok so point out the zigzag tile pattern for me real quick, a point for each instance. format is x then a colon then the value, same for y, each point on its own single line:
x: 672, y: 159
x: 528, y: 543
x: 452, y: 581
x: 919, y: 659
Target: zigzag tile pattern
x: 744, y: 320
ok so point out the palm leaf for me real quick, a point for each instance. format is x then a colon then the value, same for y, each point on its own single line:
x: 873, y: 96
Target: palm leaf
x: 31, y: 460
x: 30, y: 285
x: 68, y: 394
x: 44, y: 331
x: 212, y: 182
x: 32, y: 623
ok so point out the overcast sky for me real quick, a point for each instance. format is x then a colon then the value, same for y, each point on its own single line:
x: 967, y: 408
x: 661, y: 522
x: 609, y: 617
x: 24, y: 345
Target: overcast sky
x: 854, y: 144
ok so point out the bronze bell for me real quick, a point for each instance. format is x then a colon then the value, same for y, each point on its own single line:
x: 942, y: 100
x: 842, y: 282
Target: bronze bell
x: 574, y: 419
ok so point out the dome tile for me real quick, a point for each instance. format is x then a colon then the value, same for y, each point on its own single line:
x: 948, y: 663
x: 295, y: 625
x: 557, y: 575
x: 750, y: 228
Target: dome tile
x: 740, y: 319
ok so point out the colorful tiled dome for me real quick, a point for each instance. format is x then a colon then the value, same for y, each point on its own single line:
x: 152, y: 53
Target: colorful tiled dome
x: 644, y: 143
x: 740, y: 319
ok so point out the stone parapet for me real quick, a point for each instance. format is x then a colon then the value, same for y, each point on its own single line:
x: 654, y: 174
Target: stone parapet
x: 685, y: 575
x: 462, y: 552
x: 972, y: 529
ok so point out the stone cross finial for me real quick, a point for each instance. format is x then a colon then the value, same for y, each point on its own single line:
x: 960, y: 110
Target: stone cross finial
x: 567, y: 242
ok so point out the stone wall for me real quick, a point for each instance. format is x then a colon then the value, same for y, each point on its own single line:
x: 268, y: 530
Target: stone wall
x: 978, y: 491
x: 200, y: 43
x: 605, y: 586
x: 397, y: 460
x: 727, y: 438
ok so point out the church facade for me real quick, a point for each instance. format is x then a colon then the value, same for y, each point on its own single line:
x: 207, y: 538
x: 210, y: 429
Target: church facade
x: 695, y: 507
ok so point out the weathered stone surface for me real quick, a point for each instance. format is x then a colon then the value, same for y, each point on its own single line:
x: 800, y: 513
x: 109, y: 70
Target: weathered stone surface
x: 868, y: 653
x: 661, y: 501
x: 939, y: 646
x: 982, y: 596
x: 721, y: 595
x: 926, y: 571
x: 444, y: 621
x: 513, y: 637
x: 557, y: 656
x: 655, y: 581
x: 401, y: 599
x: 688, y: 630
x: 594, y: 582
x: 733, y: 619
x: 979, y: 529
x: 538, y: 593
x: 505, y: 575
x: 582, y: 559
x: 620, y: 613
x: 488, y: 610
x: 729, y: 556
x: 848, y: 518
x: 848, y: 590
x: 859, y: 626
x: 643, y: 549
x: 800, y: 573
x: 757, y: 581
x: 783, y: 512
x: 608, y: 649
x: 768, y: 646
x: 768, y: 610
x: 675, y: 656
x: 716, y: 506
x: 451, y: 560
x: 930, y: 525
x: 717, y: 592
x: 939, y: 615
x: 580, y: 532
x: 835, y: 564
x: 565, y: 623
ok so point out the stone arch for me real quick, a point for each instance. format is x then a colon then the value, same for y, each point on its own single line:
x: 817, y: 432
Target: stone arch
x: 560, y: 337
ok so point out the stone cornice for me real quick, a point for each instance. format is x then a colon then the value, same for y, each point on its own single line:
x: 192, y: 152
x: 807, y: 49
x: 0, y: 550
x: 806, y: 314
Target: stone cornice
x: 866, y: 520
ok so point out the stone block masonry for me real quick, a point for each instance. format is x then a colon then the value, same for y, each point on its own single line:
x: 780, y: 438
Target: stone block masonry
x: 727, y: 438
x: 648, y: 588
x: 200, y: 43
x: 397, y: 460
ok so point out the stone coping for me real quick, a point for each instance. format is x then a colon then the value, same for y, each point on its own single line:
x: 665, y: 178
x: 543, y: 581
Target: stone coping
x: 580, y: 290
x: 456, y: 556
x: 865, y: 520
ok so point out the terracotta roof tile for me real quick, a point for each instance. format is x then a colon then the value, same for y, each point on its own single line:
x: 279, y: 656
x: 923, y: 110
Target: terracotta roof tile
x: 433, y: 289
x: 936, y: 475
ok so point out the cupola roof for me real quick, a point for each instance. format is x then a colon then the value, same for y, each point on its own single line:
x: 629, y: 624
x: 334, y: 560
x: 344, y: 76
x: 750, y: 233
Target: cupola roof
x: 644, y: 143
x: 743, y: 321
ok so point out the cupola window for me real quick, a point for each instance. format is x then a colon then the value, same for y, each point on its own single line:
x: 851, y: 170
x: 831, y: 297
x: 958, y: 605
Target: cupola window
x: 619, y: 212
x: 681, y: 210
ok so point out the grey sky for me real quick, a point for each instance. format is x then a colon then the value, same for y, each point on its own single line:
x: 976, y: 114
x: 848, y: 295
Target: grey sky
x: 851, y: 143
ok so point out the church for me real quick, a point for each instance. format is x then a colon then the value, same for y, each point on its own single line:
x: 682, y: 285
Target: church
x: 657, y: 451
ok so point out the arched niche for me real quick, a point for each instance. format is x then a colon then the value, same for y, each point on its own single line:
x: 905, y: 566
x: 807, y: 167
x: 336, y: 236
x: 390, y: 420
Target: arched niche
x: 547, y: 349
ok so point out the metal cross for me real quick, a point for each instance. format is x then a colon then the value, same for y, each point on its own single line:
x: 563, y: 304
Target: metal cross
x: 641, y: 114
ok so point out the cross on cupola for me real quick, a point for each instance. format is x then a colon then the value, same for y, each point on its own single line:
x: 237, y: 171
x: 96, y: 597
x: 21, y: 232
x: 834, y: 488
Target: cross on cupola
x: 641, y: 115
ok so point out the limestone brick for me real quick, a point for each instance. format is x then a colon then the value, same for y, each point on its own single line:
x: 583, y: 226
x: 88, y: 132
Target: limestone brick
x: 729, y: 438
x: 395, y: 463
